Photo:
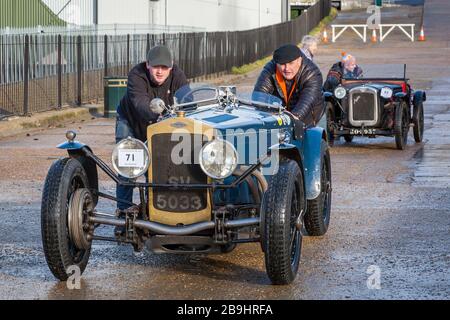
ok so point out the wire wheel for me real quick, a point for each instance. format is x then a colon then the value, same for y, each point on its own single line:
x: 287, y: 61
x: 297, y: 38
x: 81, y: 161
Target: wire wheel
x: 81, y: 206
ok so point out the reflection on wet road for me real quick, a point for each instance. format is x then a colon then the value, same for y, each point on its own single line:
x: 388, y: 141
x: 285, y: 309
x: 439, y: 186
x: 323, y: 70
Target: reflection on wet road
x: 390, y: 211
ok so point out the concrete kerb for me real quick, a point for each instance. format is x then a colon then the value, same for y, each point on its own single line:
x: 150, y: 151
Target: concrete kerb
x: 57, y: 118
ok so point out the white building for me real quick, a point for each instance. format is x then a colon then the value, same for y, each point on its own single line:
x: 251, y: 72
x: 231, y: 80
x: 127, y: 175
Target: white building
x: 209, y: 15
x: 77, y: 12
x: 212, y: 15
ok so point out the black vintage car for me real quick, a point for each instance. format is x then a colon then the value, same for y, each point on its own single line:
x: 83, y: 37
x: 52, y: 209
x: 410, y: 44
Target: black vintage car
x: 379, y: 103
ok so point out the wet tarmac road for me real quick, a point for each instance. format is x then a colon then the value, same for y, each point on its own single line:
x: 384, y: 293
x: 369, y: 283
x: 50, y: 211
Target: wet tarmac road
x: 391, y: 210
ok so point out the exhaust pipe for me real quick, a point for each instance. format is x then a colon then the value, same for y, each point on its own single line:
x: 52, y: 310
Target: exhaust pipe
x: 175, y: 231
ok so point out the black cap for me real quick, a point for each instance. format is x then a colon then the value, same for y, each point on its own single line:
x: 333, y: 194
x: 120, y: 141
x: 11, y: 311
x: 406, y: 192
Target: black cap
x: 286, y: 54
x: 160, y: 56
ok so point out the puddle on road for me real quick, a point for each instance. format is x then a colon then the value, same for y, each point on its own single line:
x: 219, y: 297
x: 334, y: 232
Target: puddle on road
x: 432, y: 162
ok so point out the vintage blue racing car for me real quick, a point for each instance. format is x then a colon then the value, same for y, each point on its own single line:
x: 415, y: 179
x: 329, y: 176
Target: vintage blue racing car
x: 219, y: 169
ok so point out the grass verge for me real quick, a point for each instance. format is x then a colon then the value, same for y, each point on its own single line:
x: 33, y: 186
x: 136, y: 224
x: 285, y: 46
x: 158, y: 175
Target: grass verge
x: 246, y: 68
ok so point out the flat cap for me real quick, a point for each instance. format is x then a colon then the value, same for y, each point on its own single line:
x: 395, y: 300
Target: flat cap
x: 160, y: 56
x: 286, y: 54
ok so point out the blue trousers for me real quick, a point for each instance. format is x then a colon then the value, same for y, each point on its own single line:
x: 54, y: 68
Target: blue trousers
x: 123, y: 131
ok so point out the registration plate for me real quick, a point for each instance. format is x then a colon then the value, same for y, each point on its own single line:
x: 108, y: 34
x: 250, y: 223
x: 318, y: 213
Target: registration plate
x: 361, y: 132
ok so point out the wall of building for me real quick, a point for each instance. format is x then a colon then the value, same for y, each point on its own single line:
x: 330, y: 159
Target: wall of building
x: 208, y: 15
x: 212, y: 15
x: 78, y: 12
x: 123, y: 12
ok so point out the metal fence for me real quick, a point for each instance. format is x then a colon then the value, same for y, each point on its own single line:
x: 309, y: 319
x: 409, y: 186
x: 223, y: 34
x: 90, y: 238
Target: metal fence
x: 45, y: 72
x: 100, y: 29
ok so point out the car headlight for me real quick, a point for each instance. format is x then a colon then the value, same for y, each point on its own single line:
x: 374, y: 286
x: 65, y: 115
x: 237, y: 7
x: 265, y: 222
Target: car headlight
x: 130, y: 158
x: 386, y: 92
x: 218, y: 159
x: 340, y: 92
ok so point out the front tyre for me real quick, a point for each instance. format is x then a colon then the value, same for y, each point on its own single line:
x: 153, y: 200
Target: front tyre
x: 227, y: 248
x: 330, y: 124
x: 418, y: 121
x: 348, y: 138
x: 401, y: 126
x: 284, y: 203
x: 65, y: 190
x: 317, y: 217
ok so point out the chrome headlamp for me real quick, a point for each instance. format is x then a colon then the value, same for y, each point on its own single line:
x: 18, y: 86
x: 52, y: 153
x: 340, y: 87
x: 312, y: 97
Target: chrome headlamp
x: 130, y: 158
x: 218, y: 159
x: 340, y: 92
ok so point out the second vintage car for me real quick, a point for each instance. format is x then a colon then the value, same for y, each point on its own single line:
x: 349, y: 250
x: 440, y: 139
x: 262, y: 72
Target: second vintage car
x: 379, y: 103
x: 217, y: 170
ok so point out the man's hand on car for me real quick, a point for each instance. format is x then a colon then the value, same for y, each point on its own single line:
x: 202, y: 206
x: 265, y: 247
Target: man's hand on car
x: 157, y: 106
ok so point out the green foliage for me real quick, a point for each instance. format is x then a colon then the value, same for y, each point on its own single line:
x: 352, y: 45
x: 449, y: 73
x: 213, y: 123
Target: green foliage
x: 250, y: 67
x: 326, y: 21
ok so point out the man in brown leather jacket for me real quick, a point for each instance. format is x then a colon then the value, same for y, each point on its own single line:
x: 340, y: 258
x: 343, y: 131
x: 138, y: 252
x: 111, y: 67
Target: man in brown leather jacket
x: 297, y: 81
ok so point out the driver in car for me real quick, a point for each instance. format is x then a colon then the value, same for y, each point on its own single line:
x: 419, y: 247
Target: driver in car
x: 158, y: 77
x: 346, y: 68
x: 297, y: 81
